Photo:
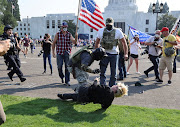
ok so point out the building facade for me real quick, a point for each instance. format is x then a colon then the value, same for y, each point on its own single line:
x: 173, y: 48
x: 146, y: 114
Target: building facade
x: 124, y: 13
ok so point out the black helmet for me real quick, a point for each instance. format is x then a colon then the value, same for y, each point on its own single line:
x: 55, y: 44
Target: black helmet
x: 99, y: 53
x: 7, y: 27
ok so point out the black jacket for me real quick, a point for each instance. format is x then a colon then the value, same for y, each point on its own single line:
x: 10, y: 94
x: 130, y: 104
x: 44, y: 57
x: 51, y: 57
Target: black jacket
x: 97, y: 94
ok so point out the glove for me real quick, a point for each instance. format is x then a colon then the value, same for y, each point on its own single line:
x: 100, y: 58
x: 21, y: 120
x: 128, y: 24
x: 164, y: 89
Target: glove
x: 166, y: 41
x: 96, y: 71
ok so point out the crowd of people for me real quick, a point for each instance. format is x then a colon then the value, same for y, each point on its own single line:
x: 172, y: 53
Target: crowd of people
x: 112, y: 47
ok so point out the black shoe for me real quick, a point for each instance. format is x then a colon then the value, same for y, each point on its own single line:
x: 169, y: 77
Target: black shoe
x: 23, y: 79
x: 159, y: 81
x: 146, y: 73
x: 60, y: 96
x: 9, y: 68
x: 169, y: 82
x: 10, y: 76
x: 62, y: 80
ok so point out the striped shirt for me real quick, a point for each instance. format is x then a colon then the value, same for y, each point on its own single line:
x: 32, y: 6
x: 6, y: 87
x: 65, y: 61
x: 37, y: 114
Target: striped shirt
x: 64, y: 43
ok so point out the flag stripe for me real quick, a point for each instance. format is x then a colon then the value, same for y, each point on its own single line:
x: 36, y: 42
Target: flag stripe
x: 91, y: 15
x: 88, y: 24
x: 94, y: 18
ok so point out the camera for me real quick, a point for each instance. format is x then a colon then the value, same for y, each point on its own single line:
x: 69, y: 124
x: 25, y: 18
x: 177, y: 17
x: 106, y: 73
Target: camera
x: 40, y: 53
x: 144, y: 52
x: 155, y: 44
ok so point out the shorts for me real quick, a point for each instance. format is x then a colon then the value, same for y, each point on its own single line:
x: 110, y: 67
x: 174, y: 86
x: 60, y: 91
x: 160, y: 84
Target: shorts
x: 134, y: 56
x: 166, y: 62
x: 26, y: 47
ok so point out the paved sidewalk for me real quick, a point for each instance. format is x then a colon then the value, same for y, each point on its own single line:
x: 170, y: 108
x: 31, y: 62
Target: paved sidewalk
x: 46, y: 86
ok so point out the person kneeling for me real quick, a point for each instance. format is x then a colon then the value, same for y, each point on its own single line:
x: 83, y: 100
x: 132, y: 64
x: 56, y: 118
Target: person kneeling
x: 96, y: 93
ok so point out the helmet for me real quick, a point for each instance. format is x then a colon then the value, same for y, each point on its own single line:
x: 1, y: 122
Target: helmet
x: 7, y: 27
x: 99, y: 53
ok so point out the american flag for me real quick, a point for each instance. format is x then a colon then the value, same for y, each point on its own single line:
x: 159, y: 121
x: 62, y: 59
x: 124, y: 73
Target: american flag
x: 91, y: 15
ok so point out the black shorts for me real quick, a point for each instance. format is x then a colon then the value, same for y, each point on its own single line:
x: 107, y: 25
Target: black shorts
x: 134, y: 56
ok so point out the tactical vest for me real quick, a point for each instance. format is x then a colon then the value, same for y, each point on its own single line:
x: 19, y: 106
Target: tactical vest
x: 76, y: 56
x: 108, y: 40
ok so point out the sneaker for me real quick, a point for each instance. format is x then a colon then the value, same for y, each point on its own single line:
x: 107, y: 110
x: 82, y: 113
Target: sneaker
x: 146, y: 74
x: 138, y: 73
x: 159, y: 81
x: 127, y: 73
x: 169, y: 83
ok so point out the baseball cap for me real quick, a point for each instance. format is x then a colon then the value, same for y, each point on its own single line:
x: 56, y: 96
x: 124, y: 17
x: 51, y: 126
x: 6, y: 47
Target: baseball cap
x: 164, y: 29
x: 109, y: 21
x: 64, y: 24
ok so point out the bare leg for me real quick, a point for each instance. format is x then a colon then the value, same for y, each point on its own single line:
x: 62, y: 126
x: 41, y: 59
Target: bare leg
x: 170, y: 75
x: 131, y: 61
x: 161, y: 74
x: 136, y: 61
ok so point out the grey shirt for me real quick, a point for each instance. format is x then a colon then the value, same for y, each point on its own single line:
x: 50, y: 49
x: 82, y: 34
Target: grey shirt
x: 154, y: 51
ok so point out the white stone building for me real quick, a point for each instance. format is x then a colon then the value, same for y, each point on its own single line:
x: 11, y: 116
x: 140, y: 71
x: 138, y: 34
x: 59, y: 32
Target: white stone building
x: 124, y: 13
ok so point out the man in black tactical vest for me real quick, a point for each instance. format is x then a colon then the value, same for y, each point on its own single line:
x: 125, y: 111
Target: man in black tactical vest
x: 80, y: 62
x: 109, y: 38
x: 12, y: 54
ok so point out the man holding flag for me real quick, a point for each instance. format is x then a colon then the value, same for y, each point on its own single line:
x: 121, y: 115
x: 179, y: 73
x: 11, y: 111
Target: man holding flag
x: 109, y: 38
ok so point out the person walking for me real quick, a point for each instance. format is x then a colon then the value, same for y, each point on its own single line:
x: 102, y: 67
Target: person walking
x: 63, y: 41
x: 46, y: 46
x: 109, y: 38
x: 134, y: 47
x: 12, y: 54
x: 26, y: 43
x: 121, y: 62
x: 168, y: 54
x: 155, y: 45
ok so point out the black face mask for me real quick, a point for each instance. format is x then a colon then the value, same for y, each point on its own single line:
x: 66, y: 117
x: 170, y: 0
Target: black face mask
x: 109, y: 27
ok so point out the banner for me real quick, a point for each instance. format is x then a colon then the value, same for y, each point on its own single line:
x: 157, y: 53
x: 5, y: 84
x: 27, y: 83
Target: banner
x: 142, y: 36
x: 175, y: 27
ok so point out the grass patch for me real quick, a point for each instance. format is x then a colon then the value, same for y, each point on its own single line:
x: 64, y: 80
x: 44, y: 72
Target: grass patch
x: 37, y: 112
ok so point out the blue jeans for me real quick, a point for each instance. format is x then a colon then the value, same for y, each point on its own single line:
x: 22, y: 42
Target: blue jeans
x: 121, y: 66
x: 60, y: 59
x: 49, y: 60
x: 112, y: 59
x: 155, y: 61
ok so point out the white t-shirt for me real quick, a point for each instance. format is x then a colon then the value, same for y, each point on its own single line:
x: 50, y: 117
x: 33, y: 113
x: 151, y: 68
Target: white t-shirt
x: 118, y: 35
x: 134, y: 47
x: 154, y: 51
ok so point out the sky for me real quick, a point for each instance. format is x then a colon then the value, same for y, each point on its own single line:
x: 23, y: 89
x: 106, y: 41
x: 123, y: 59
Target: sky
x: 37, y: 8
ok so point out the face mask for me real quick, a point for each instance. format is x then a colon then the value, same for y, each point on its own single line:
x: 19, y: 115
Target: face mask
x: 108, y: 27
x: 157, y: 35
x: 65, y: 29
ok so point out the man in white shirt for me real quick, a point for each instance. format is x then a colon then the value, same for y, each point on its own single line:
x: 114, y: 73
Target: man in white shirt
x: 155, y: 44
x: 109, y: 38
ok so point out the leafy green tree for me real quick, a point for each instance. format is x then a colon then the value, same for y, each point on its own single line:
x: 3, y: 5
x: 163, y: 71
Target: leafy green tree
x: 166, y: 21
x: 8, y: 18
x: 178, y: 33
x: 71, y: 27
x: 16, y: 12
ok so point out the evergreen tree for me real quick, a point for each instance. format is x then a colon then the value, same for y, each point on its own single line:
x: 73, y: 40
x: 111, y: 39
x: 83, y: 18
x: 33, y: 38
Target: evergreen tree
x: 71, y: 27
x: 16, y: 13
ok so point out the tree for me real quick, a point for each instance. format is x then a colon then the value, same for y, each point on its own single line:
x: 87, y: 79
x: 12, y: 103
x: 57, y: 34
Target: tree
x: 166, y: 21
x: 71, y: 27
x: 16, y: 13
x: 8, y: 18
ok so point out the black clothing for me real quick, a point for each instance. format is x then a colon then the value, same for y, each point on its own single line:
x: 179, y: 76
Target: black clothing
x: 46, y: 47
x: 12, y: 58
x: 92, y: 93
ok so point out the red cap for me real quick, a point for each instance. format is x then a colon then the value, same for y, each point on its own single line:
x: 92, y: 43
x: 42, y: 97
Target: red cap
x: 164, y: 29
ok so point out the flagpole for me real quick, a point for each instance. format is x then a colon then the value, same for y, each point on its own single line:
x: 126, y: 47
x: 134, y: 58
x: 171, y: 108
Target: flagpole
x: 79, y: 6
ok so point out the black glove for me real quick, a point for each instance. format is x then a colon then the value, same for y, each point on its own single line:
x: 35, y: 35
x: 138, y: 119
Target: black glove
x: 96, y: 71
x: 166, y: 41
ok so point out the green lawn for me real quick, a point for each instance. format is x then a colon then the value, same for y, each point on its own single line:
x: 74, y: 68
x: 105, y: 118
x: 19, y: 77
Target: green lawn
x: 37, y: 112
